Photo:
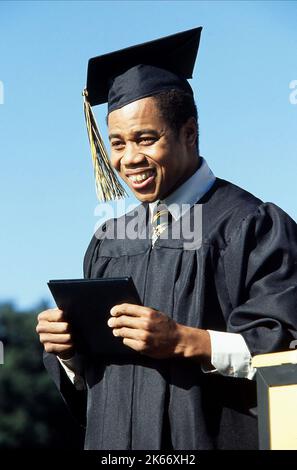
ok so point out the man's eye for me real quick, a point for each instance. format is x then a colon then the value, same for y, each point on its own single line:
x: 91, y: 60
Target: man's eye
x: 147, y: 140
x: 117, y: 144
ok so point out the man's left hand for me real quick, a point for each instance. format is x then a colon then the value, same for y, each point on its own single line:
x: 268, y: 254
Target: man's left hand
x: 155, y: 334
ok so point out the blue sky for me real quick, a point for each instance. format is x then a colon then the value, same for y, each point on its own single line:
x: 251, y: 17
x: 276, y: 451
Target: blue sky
x: 246, y: 61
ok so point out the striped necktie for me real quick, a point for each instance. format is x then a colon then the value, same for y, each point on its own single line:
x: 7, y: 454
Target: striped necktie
x: 160, y: 220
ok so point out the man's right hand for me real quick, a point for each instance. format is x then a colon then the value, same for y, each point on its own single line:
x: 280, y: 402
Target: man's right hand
x: 54, y: 333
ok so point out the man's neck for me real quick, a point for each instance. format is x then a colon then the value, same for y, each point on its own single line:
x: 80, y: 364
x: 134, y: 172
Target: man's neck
x: 191, y: 170
x: 188, y: 193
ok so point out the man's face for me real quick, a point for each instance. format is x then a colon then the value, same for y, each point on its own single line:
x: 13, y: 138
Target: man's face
x: 149, y: 157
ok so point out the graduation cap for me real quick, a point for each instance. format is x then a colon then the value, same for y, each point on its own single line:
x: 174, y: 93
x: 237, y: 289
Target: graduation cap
x: 130, y: 74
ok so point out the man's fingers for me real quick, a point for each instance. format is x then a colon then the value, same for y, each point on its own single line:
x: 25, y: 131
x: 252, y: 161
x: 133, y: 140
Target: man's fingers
x: 136, y: 345
x: 53, y: 314
x: 132, y: 310
x: 128, y: 321
x: 65, y: 339
x: 59, y: 349
x: 52, y: 327
x: 131, y: 333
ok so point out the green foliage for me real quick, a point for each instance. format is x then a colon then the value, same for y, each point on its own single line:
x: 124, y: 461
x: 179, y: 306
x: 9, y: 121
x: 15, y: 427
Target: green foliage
x: 32, y: 413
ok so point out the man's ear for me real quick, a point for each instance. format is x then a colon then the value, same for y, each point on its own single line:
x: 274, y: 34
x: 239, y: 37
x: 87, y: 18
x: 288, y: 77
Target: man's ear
x: 189, y: 130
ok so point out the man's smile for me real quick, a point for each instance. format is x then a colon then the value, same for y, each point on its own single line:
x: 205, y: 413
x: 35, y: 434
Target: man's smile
x: 141, y: 179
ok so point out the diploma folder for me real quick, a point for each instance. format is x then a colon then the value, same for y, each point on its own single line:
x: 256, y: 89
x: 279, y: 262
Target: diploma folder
x: 87, y: 304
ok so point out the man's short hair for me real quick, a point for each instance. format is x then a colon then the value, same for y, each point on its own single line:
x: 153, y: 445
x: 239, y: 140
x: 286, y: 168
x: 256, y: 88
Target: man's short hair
x: 176, y: 107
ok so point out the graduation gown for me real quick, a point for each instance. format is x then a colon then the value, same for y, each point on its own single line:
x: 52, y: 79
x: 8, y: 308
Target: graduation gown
x: 241, y: 278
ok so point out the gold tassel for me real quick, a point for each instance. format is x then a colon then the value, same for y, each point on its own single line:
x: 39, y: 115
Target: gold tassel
x: 108, y: 186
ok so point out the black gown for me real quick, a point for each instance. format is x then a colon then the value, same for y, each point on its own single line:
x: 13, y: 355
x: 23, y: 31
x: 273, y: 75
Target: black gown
x: 241, y: 279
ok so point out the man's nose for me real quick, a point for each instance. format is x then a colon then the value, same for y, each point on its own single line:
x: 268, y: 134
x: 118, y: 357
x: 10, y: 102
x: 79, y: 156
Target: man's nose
x: 131, y: 155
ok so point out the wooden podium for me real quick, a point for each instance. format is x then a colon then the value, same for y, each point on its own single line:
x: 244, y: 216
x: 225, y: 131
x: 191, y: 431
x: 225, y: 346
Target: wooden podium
x: 277, y: 400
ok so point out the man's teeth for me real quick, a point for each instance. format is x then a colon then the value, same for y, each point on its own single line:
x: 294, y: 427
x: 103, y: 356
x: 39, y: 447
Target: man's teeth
x: 141, y: 176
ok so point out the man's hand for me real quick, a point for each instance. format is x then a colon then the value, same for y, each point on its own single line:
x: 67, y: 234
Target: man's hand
x: 153, y: 333
x: 54, y: 333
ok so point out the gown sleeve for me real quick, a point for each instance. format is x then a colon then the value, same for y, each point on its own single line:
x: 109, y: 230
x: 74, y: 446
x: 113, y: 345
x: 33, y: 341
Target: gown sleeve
x: 92, y: 251
x: 76, y: 400
x: 260, y: 264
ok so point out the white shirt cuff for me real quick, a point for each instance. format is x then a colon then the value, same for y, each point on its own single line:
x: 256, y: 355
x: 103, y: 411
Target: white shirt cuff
x: 74, y: 370
x: 230, y: 355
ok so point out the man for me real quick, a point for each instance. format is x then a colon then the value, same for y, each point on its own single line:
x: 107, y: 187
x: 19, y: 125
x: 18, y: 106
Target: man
x: 208, y: 306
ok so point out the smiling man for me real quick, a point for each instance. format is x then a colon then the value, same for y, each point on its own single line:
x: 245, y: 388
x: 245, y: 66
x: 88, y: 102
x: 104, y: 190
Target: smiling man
x: 206, y: 309
x: 150, y: 155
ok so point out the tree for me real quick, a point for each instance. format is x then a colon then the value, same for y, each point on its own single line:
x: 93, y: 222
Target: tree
x: 32, y: 413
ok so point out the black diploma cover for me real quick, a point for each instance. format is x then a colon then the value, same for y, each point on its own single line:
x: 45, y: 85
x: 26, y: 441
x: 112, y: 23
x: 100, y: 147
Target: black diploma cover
x: 87, y: 304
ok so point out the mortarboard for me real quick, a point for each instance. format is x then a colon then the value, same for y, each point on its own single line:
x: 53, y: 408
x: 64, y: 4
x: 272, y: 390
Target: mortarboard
x: 130, y: 74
